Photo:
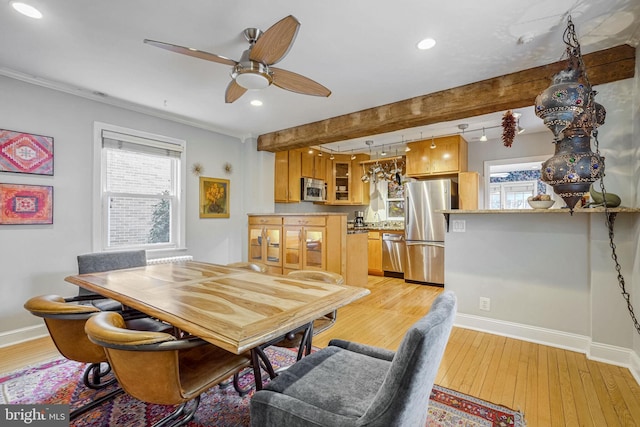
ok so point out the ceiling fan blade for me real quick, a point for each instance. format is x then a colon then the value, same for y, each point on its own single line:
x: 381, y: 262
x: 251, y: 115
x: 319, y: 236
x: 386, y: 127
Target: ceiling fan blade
x: 296, y: 83
x: 234, y: 91
x: 275, y: 43
x: 192, y: 52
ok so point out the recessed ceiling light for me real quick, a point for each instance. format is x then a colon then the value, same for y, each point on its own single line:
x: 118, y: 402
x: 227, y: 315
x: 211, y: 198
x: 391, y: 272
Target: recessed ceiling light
x: 426, y: 44
x: 256, y: 103
x: 27, y: 10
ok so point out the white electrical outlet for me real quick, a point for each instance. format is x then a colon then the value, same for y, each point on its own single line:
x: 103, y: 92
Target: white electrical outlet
x: 458, y: 225
x: 485, y: 304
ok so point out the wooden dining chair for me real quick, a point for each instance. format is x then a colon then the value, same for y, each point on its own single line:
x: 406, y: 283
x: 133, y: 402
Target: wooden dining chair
x: 65, y: 320
x: 99, y: 262
x: 158, y: 368
x: 301, y: 338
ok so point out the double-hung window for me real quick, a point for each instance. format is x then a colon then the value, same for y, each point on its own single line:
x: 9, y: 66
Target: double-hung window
x: 140, y: 188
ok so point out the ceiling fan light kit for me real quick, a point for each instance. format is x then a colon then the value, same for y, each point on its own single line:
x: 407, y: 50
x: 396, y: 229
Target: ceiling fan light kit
x: 254, y: 71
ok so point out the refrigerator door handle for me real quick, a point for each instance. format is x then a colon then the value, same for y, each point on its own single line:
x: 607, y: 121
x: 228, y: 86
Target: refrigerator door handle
x: 410, y: 243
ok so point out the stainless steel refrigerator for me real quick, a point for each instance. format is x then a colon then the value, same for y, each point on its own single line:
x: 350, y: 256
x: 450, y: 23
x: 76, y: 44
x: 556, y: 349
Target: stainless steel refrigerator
x: 425, y: 229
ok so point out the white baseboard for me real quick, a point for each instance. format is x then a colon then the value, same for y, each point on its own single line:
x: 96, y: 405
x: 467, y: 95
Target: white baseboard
x: 612, y: 355
x: 596, y: 351
x: 17, y: 336
x: 635, y: 366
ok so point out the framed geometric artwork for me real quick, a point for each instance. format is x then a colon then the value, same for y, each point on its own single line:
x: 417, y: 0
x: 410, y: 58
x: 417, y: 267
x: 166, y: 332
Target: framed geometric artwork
x: 214, y: 198
x: 26, y: 153
x: 26, y: 204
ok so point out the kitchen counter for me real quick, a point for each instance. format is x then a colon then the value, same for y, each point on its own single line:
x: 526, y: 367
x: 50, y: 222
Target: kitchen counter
x: 299, y: 214
x: 539, y: 211
x: 359, y: 230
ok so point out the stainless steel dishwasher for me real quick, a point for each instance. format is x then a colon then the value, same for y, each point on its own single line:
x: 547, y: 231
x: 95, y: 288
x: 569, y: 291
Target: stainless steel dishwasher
x: 393, y: 254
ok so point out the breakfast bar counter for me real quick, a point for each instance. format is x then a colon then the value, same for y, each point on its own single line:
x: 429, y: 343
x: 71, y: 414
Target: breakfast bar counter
x: 549, y: 277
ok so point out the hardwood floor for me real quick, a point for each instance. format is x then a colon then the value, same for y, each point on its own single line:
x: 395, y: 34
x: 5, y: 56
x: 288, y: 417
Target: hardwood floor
x: 552, y: 387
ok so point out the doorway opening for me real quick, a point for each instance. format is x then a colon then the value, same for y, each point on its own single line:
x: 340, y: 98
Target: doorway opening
x: 509, y: 182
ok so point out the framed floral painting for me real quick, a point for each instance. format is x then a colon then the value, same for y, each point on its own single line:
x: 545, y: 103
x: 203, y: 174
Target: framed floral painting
x: 214, y: 198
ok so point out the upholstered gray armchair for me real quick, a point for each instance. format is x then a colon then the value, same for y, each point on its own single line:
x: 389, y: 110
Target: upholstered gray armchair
x: 350, y: 384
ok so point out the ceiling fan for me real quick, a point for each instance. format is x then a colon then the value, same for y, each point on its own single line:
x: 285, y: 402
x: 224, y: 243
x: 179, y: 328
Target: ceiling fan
x: 255, y: 70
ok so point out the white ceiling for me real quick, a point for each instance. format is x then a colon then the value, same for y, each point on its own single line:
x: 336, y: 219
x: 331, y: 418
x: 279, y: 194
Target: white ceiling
x: 362, y: 50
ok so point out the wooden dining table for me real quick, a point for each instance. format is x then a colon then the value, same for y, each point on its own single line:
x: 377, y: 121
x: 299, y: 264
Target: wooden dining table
x: 235, y: 309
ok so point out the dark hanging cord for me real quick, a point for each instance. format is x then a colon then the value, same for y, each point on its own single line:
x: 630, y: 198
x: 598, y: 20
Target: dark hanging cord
x: 609, y: 217
x: 575, y: 59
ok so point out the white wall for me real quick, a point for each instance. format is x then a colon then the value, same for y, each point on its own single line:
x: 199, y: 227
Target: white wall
x: 35, y: 259
x: 552, y: 274
x: 635, y: 162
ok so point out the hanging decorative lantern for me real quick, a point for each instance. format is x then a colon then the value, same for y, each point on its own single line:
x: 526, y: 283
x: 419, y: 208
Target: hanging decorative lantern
x: 568, y: 109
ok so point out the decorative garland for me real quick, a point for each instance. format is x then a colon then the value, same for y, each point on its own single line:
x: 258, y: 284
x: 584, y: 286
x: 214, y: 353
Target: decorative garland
x: 508, y: 128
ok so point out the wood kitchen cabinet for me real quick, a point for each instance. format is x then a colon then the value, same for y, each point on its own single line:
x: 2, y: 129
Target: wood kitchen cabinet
x: 359, y: 189
x: 340, y: 188
x: 448, y: 157
x: 287, y: 176
x: 344, y: 186
x: 265, y: 236
x: 288, y: 242
x: 313, y: 165
x: 304, y: 243
x: 374, y: 251
x: 468, y: 186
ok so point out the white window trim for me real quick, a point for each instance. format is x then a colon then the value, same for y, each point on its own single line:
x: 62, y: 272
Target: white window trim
x: 487, y: 172
x: 98, y: 244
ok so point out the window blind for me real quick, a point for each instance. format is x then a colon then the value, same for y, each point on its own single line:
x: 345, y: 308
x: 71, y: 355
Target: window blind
x: 121, y: 141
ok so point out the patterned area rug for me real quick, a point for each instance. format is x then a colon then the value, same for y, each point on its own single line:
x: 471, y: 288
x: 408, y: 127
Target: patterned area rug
x: 60, y: 382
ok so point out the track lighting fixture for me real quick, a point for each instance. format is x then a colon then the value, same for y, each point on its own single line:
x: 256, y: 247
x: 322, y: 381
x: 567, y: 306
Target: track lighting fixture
x: 483, y: 138
x: 433, y: 143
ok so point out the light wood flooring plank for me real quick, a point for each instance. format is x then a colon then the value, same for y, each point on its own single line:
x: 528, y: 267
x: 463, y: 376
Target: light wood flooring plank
x: 494, y: 367
x: 479, y: 350
x: 483, y: 366
x: 525, y: 387
x: 550, y: 385
x: 541, y: 366
x: 566, y: 391
x: 579, y: 393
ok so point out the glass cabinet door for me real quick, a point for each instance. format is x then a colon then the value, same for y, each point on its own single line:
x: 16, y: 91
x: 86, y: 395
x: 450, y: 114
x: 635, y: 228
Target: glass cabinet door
x: 292, y: 252
x: 273, y: 251
x: 255, y: 244
x: 314, y: 250
x: 264, y: 245
x: 342, y: 170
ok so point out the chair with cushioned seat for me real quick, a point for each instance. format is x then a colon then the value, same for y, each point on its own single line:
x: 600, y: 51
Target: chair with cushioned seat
x: 350, y: 384
x: 156, y: 367
x: 105, y: 261
x: 65, y: 322
x: 301, y: 338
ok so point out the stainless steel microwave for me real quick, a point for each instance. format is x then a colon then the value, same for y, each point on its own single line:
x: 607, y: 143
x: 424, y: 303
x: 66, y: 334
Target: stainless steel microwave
x: 313, y: 190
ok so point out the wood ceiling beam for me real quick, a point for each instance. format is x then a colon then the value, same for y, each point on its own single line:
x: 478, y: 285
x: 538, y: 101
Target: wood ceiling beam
x: 502, y: 93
